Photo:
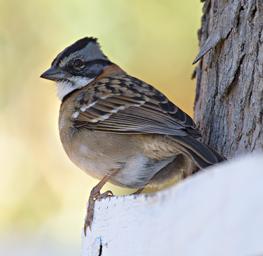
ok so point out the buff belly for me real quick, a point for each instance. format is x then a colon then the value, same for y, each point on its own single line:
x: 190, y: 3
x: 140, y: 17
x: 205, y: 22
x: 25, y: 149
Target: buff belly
x: 133, y: 171
x: 99, y: 154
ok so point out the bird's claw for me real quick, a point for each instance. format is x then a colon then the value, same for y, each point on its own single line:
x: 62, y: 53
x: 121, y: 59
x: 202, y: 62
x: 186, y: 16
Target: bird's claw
x: 94, y: 195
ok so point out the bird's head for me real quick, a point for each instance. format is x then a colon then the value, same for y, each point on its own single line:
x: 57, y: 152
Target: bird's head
x: 77, y: 66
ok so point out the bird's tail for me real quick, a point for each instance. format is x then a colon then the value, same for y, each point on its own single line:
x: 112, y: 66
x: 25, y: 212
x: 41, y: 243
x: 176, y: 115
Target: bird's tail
x: 202, y: 155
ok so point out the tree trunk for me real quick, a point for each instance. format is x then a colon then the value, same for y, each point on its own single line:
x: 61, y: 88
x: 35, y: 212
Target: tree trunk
x: 229, y: 92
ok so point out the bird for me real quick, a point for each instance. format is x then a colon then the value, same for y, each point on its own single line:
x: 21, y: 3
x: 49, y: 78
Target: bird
x: 118, y: 128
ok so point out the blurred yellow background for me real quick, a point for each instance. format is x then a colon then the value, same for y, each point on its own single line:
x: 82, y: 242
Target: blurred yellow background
x: 42, y: 194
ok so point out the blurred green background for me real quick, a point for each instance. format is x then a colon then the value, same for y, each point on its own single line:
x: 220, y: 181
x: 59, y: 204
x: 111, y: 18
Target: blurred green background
x: 42, y: 194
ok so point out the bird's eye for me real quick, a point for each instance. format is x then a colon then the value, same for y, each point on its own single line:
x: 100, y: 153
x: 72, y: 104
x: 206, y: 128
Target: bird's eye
x: 78, y: 63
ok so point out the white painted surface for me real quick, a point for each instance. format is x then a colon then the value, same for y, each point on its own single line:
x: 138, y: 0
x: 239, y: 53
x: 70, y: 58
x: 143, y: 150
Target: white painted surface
x: 216, y: 212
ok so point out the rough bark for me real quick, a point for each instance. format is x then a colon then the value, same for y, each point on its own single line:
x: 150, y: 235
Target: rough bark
x: 229, y: 92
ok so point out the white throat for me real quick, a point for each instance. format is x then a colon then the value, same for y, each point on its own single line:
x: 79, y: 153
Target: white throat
x: 66, y: 87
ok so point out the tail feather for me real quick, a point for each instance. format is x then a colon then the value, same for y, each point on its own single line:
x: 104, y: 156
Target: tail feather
x: 202, y: 155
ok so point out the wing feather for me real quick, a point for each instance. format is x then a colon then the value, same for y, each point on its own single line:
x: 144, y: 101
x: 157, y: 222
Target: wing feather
x: 131, y: 106
x: 125, y: 105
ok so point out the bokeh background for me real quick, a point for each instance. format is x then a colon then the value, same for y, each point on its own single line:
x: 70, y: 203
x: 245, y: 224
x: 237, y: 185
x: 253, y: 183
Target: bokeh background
x: 42, y: 194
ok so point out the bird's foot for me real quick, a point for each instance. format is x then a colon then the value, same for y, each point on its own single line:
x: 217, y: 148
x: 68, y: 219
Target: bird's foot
x: 137, y: 192
x: 106, y: 194
x: 94, y: 195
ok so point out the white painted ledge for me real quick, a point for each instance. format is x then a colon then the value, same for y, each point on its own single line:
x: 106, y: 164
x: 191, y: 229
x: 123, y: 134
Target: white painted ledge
x: 215, y: 212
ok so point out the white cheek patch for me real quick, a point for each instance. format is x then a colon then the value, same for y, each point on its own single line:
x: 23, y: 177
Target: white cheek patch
x: 63, y: 88
x: 80, y: 82
x: 66, y: 87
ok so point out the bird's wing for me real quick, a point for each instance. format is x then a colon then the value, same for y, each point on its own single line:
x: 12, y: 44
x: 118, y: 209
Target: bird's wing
x: 124, y: 104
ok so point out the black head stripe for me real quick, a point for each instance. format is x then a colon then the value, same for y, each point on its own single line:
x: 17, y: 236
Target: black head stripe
x: 78, y: 45
x: 92, y: 68
x: 98, y: 61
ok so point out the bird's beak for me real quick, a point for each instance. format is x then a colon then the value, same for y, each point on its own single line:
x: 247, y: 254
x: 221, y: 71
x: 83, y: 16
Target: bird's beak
x: 53, y: 74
